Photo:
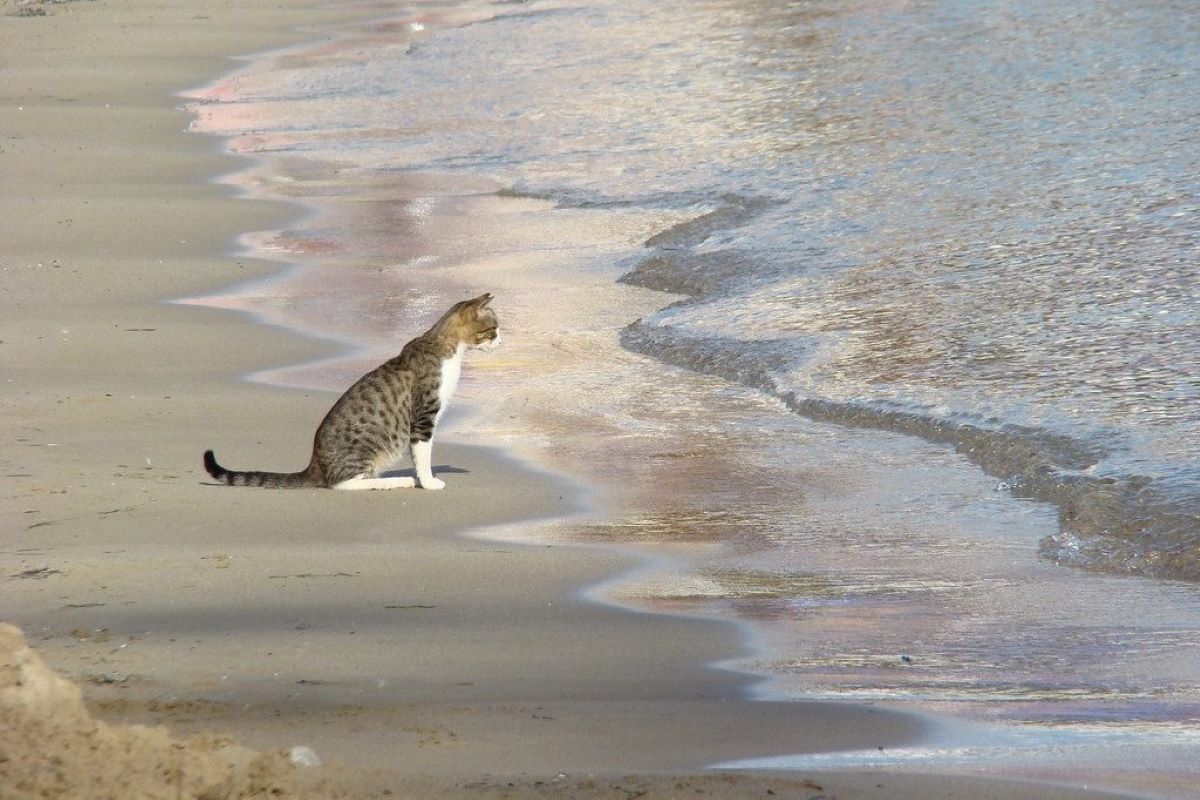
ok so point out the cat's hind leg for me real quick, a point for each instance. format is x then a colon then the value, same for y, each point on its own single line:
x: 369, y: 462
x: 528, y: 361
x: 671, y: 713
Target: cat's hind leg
x: 360, y: 482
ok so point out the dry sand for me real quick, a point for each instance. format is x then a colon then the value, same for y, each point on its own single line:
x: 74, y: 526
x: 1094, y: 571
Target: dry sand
x: 414, y: 660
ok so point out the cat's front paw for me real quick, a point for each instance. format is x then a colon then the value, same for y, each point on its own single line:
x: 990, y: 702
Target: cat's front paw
x: 433, y: 483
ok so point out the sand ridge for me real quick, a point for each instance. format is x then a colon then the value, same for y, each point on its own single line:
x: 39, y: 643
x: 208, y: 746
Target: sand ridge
x: 52, y: 746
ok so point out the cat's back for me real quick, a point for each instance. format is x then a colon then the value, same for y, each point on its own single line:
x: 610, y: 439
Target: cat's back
x: 423, y: 357
x: 391, y: 385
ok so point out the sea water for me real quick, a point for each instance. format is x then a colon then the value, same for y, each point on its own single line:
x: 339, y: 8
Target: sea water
x: 877, y: 320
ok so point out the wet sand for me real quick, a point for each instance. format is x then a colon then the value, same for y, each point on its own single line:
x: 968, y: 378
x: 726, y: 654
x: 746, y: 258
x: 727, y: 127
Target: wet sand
x: 414, y: 660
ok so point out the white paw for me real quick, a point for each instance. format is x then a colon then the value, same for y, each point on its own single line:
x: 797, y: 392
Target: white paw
x: 433, y: 483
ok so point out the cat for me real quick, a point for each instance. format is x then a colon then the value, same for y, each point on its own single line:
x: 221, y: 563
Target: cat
x: 392, y: 409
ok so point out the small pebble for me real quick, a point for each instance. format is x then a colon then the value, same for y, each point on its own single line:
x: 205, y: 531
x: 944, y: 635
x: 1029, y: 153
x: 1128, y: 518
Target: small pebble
x: 304, y: 756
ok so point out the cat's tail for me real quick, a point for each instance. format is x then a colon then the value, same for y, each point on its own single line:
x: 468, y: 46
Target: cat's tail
x: 269, y: 480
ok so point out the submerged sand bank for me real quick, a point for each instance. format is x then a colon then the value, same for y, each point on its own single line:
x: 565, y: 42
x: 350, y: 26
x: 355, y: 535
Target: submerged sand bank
x: 413, y: 661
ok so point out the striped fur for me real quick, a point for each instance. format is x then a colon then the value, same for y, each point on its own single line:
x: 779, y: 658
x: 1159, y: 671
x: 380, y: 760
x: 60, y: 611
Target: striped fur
x: 388, y: 411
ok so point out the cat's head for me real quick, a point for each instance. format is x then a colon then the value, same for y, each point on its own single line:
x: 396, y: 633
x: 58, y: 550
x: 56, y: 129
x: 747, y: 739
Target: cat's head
x: 474, y: 323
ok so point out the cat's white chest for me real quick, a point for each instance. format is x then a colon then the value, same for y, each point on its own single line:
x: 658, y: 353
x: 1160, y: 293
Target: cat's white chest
x: 451, y: 370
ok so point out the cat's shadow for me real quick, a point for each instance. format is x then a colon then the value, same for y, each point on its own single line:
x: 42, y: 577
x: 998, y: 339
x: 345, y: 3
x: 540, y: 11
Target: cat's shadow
x: 412, y: 473
x: 391, y: 473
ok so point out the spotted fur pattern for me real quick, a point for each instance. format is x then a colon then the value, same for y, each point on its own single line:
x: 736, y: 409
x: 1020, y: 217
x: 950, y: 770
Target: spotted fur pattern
x: 389, y: 412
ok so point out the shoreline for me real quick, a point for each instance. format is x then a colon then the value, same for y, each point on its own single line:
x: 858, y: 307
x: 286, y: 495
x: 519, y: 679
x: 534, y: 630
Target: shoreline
x: 140, y: 558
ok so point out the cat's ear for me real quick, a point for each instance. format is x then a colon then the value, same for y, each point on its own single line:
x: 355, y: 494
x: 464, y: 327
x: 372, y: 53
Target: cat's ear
x: 482, y: 301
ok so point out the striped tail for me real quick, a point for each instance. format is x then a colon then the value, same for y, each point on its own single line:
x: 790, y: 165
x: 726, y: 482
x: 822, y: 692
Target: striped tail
x: 269, y: 480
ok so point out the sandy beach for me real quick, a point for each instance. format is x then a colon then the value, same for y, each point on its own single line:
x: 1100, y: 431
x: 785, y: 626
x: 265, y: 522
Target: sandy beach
x: 415, y: 659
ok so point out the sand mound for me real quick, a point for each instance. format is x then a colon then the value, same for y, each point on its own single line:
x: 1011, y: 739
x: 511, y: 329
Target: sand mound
x: 50, y: 747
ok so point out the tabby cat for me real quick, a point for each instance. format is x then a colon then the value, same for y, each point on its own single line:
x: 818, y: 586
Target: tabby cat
x: 392, y: 409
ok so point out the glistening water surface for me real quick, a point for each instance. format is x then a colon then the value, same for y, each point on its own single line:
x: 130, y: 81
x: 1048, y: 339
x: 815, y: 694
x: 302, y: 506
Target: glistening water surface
x: 937, y: 335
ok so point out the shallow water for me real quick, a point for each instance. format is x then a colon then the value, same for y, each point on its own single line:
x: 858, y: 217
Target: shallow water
x: 916, y: 239
x: 975, y: 223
